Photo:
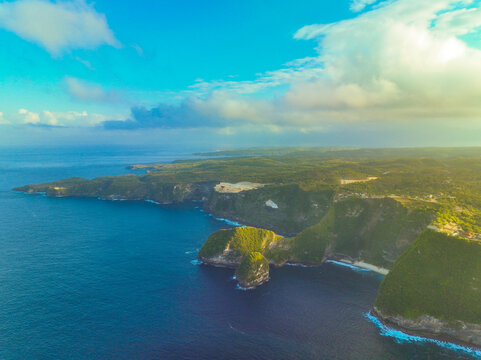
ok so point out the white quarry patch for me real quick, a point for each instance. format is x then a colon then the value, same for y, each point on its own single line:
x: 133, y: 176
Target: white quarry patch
x: 352, y: 181
x: 272, y: 204
x: 228, y: 188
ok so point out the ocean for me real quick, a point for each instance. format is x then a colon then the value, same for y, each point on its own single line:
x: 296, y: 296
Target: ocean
x: 92, y: 279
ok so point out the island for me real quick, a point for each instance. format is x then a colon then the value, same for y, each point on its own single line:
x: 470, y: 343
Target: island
x: 413, y: 215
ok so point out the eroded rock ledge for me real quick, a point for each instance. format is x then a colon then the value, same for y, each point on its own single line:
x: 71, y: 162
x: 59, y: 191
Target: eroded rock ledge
x: 428, y: 326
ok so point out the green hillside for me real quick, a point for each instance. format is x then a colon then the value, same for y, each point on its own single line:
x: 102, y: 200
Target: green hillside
x: 374, y: 230
x: 439, y: 275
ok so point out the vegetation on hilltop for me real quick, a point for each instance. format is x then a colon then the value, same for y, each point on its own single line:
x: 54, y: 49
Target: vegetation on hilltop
x: 371, y: 230
x: 248, y: 249
x: 241, y: 240
x: 374, y: 230
x: 296, y: 209
x: 440, y: 276
x: 350, y: 153
x: 446, y: 181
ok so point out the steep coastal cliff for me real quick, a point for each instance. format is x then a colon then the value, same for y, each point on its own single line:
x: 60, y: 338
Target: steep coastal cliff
x: 435, y: 288
x: 375, y: 231
x: 126, y: 187
x: 294, y: 208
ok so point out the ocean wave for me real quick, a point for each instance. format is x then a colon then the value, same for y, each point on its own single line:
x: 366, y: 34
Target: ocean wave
x: 401, y: 337
x: 113, y: 199
x: 300, y: 265
x: 350, y: 266
x: 43, y: 193
x: 230, y: 222
x: 196, y: 262
x: 238, y: 287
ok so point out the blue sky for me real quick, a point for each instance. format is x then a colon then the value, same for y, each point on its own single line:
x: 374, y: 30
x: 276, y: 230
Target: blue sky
x: 166, y: 46
x: 360, y: 72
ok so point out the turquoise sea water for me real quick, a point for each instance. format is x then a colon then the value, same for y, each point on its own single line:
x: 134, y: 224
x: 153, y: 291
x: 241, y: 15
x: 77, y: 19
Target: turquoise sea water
x: 93, y: 279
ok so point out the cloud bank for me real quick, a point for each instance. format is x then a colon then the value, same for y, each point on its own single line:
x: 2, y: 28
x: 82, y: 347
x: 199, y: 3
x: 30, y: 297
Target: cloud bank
x: 57, y: 26
x: 164, y: 116
x: 86, y: 91
x: 402, y: 62
x: 398, y: 67
x: 48, y: 118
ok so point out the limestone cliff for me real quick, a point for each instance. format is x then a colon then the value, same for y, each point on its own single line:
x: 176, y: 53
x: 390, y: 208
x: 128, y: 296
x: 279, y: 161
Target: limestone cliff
x: 253, y: 270
x: 375, y: 231
x: 126, y: 187
x: 435, y: 288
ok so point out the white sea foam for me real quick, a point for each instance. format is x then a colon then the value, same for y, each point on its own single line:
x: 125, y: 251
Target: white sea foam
x: 230, y: 222
x: 152, y: 202
x: 301, y: 265
x: 350, y: 266
x: 113, y: 199
x: 196, y: 262
x: 401, y: 337
x: 238, y: 287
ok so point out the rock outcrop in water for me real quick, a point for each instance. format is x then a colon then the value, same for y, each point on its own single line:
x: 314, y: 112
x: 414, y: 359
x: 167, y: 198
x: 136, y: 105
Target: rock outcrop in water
x: 253, y: 270
x: 247, y: 249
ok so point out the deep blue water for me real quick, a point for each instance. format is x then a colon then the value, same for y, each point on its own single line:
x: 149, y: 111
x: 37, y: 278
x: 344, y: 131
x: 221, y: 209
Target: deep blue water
x: 92, y: 279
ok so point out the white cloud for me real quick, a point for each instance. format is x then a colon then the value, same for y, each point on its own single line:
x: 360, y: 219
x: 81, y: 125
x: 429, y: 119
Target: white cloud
x: 86, y: 91
x: 59, y: 119
x: 3, y: 121
x: 28, y: 117
x: 401, y: 65
x: 393, y: 57
x: 359, y: 5
x: 401, y: 62
x: 57, y: 26
x: 459, y: 22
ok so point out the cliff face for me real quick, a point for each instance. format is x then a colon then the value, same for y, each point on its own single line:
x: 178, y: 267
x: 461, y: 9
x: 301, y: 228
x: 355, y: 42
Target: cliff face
x: 286, y: 209
x: 435, y: 287
x: 292, y: 211
x: 371, y: 230
x: 432, y: 327
x: 376, y: 231
x: 253, y: 270
x: 128, y: 187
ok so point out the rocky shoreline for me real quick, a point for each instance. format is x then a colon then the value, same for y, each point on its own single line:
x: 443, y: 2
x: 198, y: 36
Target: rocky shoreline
x: 460, y: 333
x: 463, y: 334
